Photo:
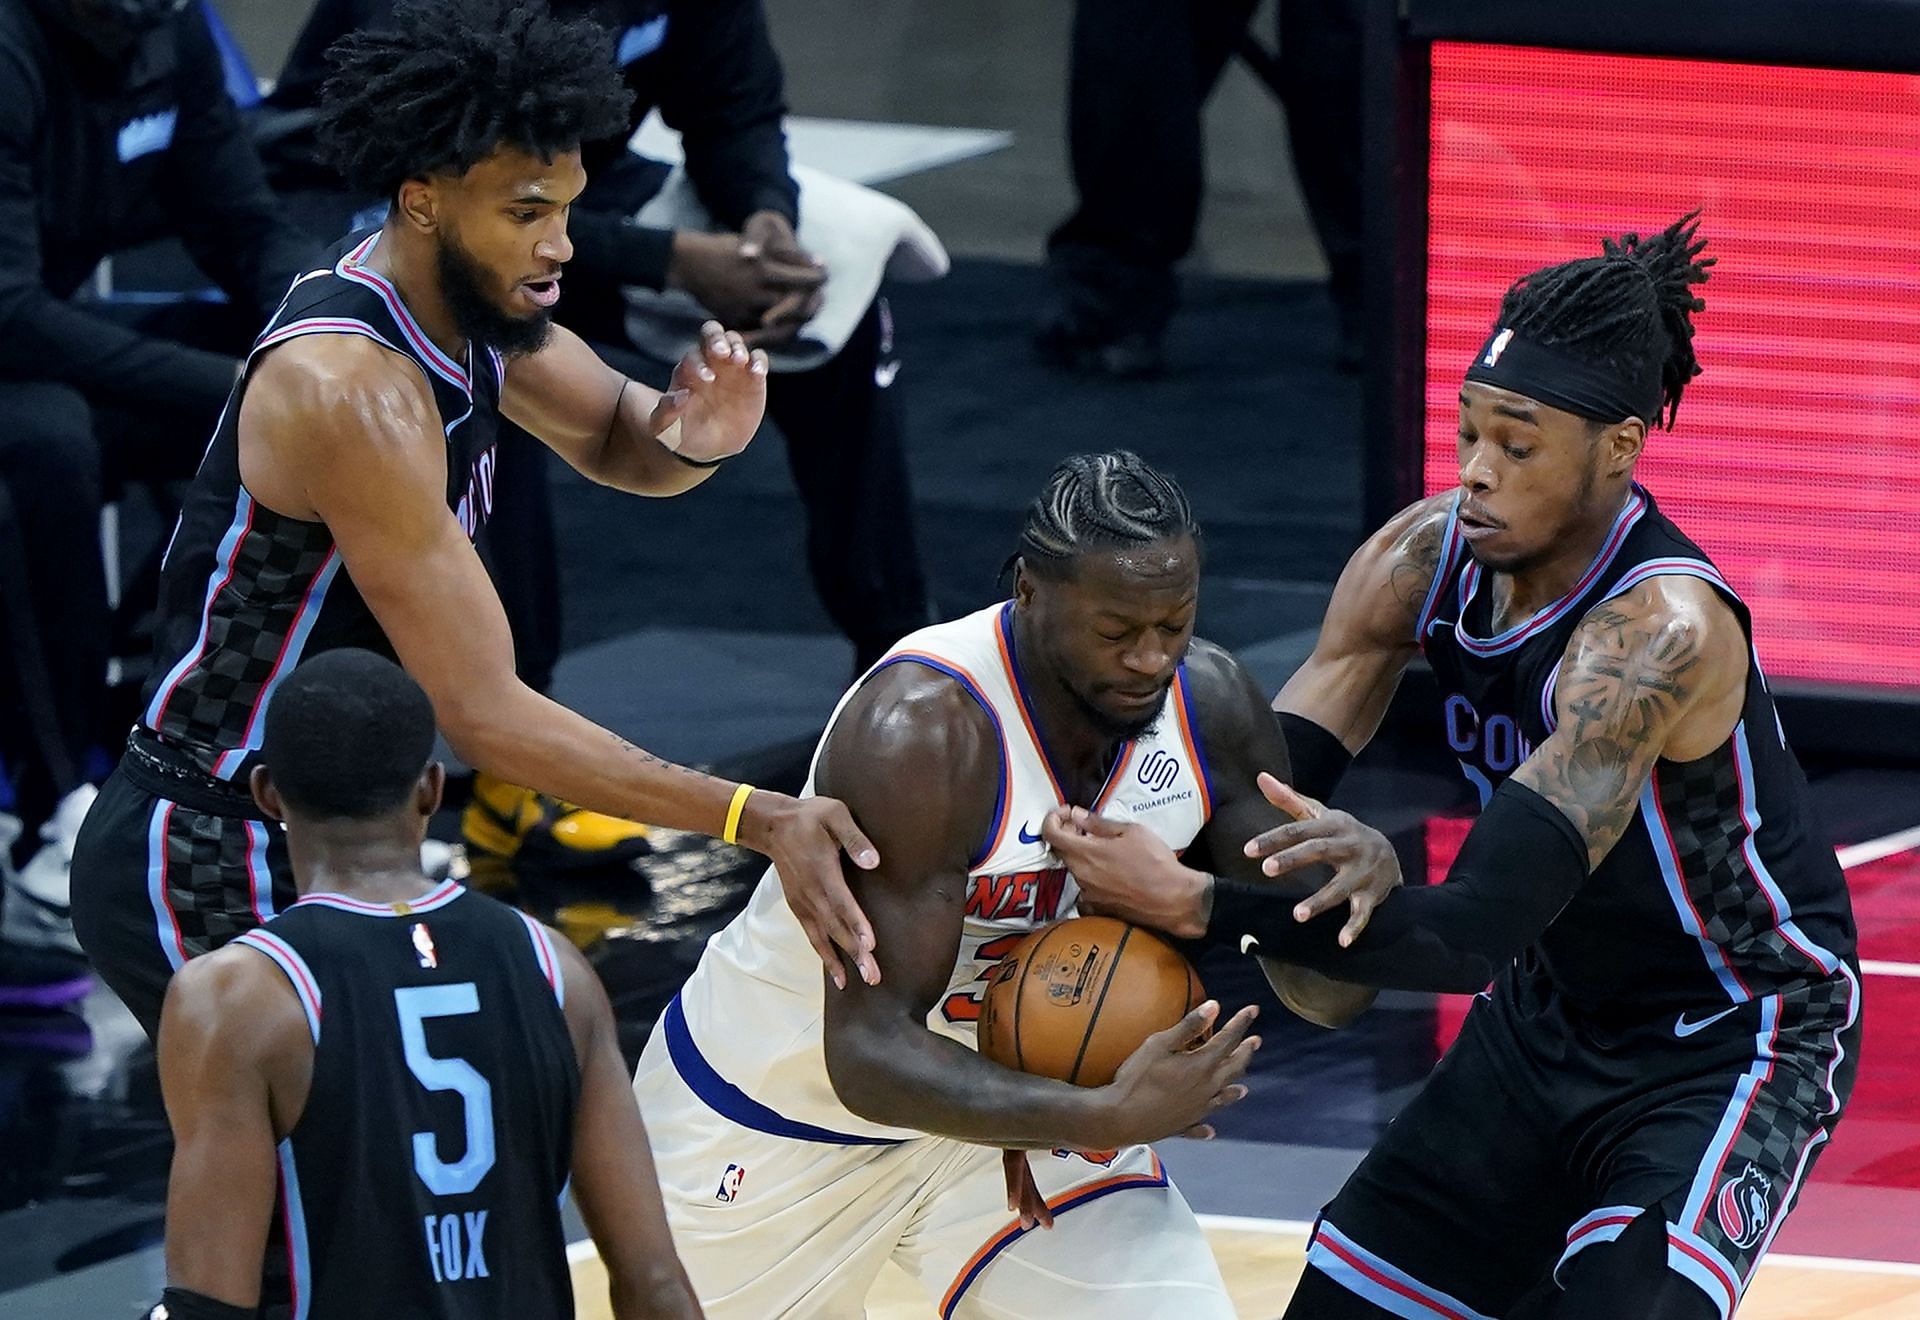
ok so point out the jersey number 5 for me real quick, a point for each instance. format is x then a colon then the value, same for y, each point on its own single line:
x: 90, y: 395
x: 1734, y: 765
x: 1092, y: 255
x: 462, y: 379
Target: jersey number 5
x: 416, y: 1004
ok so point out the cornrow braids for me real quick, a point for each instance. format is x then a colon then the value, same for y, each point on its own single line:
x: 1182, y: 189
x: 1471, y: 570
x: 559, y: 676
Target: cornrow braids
x: 1627, y: 309
x: 1100, y: 501
x: 444, y: 83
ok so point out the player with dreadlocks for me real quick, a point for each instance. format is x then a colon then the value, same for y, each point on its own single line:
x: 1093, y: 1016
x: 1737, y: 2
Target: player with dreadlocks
x: 353, y: 470
x: 857, y: 1126
x: 1673, y: 1017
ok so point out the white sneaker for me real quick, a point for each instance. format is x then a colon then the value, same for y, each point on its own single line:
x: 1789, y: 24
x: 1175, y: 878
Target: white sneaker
x: 39, y: 901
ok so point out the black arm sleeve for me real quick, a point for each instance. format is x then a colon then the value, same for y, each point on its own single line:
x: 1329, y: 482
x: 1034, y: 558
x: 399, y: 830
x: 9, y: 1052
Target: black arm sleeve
x: 184, y: 1304
x: 43, y: 337
x: 216, y: 190
x: 1521, y: 864
x: 1319, y: 759
x: 722, y: 89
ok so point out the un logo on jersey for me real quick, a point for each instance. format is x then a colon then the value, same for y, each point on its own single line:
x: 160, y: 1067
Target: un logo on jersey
x: 1158, y: 771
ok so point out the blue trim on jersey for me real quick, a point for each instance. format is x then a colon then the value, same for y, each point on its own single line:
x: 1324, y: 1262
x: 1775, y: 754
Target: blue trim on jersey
x: 1450, y: 540
x: 436, y: 898
x: 998, y: 823
x: 304, y: 620
x: 1105, y: 1187
x: 546, y: 956
x: 299, y: 1259
x: 259, y: 874
x: 735, y: 1105
x: 167, y: 925
x: 1707, y: 1173
x: 1708, y: 1277
x: 1664, y: 853
x: 222, y: 573
x: 1782, y: 911
x: 294, y: 967
x: 1387, y: 1286
x: 1630, y: 513
x: 1200, y: 768
x: 1121, y: 755
x: 1593, y: 1228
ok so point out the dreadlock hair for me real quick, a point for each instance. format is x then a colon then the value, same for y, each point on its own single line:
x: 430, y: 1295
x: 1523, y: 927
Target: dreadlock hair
x: 1100, y: 501
x: 1627, y: 309
x: 446, y: 82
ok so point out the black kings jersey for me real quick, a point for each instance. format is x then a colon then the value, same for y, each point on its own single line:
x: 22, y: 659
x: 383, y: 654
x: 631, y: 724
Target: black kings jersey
x: 424, y: 1177
x: 246, y: 594
x: 1724, y: 888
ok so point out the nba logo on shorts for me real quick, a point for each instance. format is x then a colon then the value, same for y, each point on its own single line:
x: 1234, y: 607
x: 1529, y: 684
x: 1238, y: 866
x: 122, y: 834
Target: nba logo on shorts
x: 1158, y: 771
x: 730, y: 1182
x: 1743, y: 1207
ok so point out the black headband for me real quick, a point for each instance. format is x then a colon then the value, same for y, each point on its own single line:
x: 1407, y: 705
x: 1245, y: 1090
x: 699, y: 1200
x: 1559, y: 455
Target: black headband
x: 1560, y: 381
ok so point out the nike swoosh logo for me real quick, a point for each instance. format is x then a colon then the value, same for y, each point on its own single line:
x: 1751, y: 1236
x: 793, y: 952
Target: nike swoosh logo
x: 1028, y: 837
x: 1248, y: 944
x: 1683, y: 1028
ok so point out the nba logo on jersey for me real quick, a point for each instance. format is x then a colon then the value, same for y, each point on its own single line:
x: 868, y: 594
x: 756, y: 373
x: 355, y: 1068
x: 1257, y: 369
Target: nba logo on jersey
x: 730, y: 1182
x: 423, y: 945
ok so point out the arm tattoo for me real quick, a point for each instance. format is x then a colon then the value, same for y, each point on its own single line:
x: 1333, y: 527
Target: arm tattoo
x: 1630, y: 676
x: 1418, y: 559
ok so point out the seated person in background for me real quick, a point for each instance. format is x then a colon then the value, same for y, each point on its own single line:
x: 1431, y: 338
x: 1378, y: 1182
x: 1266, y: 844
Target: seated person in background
x: 115, y: 130
x: 420, y: 988
x: 723, y: 235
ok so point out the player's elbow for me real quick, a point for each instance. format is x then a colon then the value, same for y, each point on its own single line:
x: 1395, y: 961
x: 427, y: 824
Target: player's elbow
x: 1317, y: 998
x: 858, y: 1057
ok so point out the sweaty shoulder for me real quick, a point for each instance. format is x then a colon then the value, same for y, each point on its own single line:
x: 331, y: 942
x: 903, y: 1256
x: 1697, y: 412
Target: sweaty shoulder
x: 319, y: 400
x: 914, y: 746
x: 232, y: 1020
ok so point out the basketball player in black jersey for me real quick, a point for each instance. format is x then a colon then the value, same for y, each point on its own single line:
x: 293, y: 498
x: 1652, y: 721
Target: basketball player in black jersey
x: 339, y: 501
x: 421, y: 1071
x: 1673, y: 1021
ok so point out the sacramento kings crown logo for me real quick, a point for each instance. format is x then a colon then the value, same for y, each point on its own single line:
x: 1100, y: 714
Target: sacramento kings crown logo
x: 1744, y: 1207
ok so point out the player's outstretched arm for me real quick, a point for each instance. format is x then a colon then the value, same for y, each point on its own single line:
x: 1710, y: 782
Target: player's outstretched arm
x: 1659, y: 671
x: 1367, y: 638
x: 344, y: 431
x: 236, y: 1059
x: 919, y: 760
x: 627, y: 435
x: 613, y: 1177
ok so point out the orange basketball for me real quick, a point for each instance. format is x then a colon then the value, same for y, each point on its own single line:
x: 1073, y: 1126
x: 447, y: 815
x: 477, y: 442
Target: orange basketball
x: 1072, y: 1001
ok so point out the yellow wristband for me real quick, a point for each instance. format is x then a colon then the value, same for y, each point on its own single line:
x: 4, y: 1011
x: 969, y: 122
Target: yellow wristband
x: 740, y: 795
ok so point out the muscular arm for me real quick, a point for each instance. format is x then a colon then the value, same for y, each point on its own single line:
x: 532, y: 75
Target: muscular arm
x: 613, y: 1178
x: 918, y: 760
x: 1367, y: 638
x: 1657, y: 672
x: 341, y: 430
x: 594, y: 417
x: 236, y: 1059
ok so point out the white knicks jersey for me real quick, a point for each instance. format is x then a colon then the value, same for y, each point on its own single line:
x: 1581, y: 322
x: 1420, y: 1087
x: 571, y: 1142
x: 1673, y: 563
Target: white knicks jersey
x: 745, y: 1030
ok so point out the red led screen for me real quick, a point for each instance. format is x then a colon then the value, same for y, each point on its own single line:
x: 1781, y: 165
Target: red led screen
x: 1796, y: 459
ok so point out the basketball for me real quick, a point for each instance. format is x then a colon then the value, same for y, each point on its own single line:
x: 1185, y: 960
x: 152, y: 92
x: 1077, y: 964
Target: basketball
x: 1072, y: 1001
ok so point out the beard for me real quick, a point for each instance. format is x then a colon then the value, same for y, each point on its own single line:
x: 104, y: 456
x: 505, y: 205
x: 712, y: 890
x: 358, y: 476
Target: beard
x: 476, y: 316
x: 1121, y: 728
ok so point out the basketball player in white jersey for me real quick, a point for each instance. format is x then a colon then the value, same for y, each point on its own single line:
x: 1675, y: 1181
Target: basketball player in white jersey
x: 805, y: 1135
